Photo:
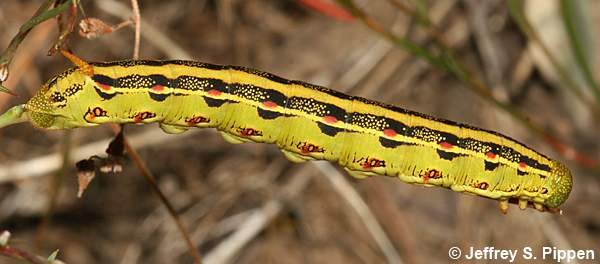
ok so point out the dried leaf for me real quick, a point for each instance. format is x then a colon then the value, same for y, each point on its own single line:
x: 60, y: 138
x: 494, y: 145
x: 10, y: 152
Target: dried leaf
x: 86, y: 171
x: 92, y: 28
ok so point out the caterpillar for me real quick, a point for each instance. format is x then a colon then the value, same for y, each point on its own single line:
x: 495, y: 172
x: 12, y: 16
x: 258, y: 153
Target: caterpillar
x: 307, y: 122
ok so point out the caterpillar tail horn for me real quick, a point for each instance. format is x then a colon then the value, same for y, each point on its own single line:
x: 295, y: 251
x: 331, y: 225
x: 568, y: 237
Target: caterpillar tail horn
x: 13, y: 116
x: 85, y: 67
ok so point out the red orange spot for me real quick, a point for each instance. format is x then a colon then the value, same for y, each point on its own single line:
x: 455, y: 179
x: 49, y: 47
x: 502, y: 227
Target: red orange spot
x: 158, y: 88
x: 98, y: 111
x: 426, y: 178
x: 308, y: 148
x: 446, y: 145
x: 330, y: 119
x: 214, y: 92
x: 102, y: 86
x: 373, y: 163
x: 522, y: 164
x: 142, y: 116
x: 269, y: 104
x: 247, y: 132
x: 390, y: 132
x: 430, y: 174
x: 490, y: 155
x: 482, y: 185
x: 196, y: 120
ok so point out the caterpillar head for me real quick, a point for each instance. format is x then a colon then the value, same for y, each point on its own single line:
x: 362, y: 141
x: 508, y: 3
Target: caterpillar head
x: 52, y: 106
x: 561, y: 185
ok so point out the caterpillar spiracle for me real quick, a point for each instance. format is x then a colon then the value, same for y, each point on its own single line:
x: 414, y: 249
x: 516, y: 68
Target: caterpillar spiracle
x: 305, y: 121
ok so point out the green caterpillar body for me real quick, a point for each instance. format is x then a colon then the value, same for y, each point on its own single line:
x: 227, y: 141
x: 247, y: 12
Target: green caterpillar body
x: 306, y: 121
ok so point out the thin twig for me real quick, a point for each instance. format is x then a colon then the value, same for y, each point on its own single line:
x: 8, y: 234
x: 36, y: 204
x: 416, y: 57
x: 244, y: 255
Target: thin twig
x: 150, y: 33
x: 138, y: 28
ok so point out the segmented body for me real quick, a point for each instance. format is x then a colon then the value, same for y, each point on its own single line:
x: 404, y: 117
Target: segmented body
x: 306, y: 122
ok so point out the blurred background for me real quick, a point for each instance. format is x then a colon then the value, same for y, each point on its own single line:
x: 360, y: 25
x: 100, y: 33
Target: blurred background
x: 248, y: 204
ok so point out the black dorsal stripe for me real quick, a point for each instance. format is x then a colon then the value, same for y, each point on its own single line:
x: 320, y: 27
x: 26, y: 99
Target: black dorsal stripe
x: 313, y: 107
x: 103, y: 79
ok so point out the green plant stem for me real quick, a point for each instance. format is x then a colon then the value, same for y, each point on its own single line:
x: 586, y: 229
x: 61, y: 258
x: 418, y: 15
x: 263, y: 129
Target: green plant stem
x: 575, y: 37
x: 41, y: 15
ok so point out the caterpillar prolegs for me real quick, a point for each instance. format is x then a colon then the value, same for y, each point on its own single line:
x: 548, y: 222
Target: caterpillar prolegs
x: 305, y: 121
